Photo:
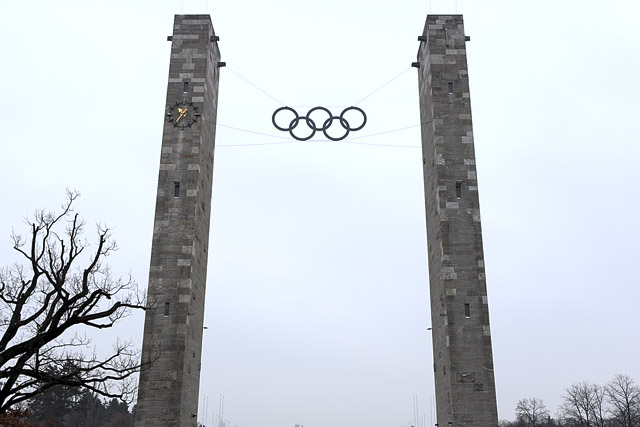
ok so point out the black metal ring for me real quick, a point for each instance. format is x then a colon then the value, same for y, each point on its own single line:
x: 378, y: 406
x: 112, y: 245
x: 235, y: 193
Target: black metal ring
x: 273, y: 118
x: 364, y: 117
x: 342, y: 123
x: 292, y: 126
x: 326, y: 110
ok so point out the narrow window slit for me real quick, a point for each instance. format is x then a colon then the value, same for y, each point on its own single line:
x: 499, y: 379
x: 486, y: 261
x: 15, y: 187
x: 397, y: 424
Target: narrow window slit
x: 450, y: 88
x: 459, y: 189
x: 467, y: 311
x: 176, y: 188
x: 186, y: 87
x: 166, y: 309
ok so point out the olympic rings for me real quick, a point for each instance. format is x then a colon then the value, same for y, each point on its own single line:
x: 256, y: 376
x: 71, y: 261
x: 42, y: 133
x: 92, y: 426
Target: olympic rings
x: 312, y: 124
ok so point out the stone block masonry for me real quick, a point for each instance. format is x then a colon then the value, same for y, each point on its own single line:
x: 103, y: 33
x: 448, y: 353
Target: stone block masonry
x: 463, y: 360
x: 168, y: 390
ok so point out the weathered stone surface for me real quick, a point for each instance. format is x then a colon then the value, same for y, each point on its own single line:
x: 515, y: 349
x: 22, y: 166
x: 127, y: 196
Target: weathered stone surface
x: 168, y: 393
x: 463, y: 360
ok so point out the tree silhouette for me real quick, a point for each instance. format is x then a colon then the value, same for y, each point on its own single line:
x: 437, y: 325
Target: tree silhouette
x: 531, y: 412
x: 44, y: 303
x: 624, y: 397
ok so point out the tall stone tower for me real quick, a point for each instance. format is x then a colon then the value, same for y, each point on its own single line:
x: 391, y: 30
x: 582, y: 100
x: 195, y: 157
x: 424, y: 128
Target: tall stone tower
x: 168, y: 393
x: 463, y: 360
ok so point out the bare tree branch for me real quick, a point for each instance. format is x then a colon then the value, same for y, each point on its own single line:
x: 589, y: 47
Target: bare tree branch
x: 624, y: 397
x: 531, y: 412
x: 42, y: 303
x: 584, y: 405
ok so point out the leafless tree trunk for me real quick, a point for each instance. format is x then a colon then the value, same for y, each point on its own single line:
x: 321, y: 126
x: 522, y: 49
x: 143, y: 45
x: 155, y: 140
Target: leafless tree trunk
x: 45, y: 301
x: 531, y: 412
x: 624, y: 397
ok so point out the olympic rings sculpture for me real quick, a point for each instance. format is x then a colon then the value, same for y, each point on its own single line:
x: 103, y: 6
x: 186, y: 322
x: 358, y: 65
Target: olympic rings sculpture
x: 325, y: 126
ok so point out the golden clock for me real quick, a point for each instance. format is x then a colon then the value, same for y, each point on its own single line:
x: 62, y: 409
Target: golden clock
x: 182, y: 114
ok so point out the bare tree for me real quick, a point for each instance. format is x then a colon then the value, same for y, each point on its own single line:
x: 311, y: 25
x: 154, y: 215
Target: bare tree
x: 44, y: 303
x: 624, y: 398
x: 584, y: 405
x: 531, y: 412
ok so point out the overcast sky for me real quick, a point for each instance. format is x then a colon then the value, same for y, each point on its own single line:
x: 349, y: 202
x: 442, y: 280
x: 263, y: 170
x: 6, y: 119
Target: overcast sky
x: 317, y: 293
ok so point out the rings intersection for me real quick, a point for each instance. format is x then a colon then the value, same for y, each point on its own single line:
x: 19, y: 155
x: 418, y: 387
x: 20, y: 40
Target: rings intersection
x: 325, y: 126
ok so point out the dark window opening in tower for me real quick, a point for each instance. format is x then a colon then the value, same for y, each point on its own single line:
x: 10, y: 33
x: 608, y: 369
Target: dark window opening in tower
x: 186, y: 87
x: 450, y: 88
x: 458, y: 189
x: 467, y: 311
x: 176, y: 188
x: 166, y: 309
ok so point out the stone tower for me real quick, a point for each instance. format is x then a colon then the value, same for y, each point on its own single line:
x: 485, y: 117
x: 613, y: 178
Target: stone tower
x: 463, y: 360
x: 168, y: 393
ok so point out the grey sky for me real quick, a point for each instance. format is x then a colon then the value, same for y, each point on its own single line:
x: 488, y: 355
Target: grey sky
x: 317, y: 294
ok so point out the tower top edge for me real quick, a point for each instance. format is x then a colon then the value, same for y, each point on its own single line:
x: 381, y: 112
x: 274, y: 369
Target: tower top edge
x: 179, y: 17
x: 445, y: 16
x: 437, y: 21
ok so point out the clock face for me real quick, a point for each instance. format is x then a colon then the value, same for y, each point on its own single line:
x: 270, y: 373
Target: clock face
x: 182, y: 114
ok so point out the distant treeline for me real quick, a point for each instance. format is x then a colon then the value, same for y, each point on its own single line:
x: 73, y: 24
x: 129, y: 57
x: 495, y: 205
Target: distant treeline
x: 616, y: 404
